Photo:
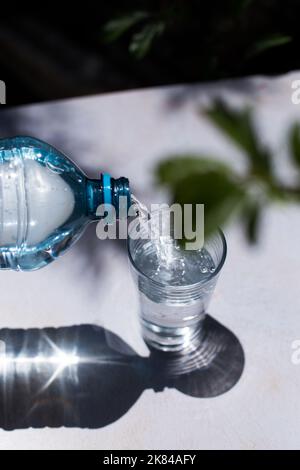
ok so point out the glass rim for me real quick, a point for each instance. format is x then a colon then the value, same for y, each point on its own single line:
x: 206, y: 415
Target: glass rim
x: 188, y: 286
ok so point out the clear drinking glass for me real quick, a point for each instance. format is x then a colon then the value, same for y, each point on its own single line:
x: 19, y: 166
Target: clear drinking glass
x: 174, y: 293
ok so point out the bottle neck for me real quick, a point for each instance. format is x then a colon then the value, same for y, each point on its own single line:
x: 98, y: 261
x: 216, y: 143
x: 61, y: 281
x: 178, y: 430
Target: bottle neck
x: 108, y: 191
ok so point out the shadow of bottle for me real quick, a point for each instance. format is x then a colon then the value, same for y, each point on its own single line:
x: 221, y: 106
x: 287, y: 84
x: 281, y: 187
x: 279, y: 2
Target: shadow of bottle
x: 85, y: 376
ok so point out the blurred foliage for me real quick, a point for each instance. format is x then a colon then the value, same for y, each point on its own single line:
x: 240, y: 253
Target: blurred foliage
x: 226, y: 193
x: 268, y: 42
x: 295, y: 144
x: 142, y: 39
x: 117, y: 45
x: 239, y: 127
x: 198, y: 40
x: 118, y: 26
x: 150, y: 26
x: 208, y: 39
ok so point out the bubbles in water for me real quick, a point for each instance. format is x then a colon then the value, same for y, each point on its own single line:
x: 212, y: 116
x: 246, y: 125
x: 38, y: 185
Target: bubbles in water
x: 181, y: 267
x: 162, y: 258
x: 140, y: 209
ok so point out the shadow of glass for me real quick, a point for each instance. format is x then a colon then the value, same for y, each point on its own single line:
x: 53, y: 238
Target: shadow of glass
x: 85, y: 376
x: 206, y: 370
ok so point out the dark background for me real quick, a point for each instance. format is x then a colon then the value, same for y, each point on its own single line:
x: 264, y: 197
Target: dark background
x: 59, y: 50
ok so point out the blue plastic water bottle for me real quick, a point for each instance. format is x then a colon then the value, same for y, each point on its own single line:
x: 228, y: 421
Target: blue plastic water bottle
x: 46, y: 202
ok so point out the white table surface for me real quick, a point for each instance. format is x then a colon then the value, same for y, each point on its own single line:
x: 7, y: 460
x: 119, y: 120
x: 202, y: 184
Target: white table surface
x: 257, y: 296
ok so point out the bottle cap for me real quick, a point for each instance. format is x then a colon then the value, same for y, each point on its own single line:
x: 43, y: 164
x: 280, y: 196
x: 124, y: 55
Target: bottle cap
x: 106, y: 186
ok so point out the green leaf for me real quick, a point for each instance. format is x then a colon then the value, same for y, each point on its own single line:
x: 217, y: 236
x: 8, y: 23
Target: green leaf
x: 267, y: 43
x: 295, y: 143
x: 118, y: 26
x: 177, y: 167
x: 220, y: 195
x: 251, y: 217
x: 142, y: 41
x: 238, y: 126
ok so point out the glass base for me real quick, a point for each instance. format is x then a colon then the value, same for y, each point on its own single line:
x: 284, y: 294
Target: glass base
x: 172, y: 339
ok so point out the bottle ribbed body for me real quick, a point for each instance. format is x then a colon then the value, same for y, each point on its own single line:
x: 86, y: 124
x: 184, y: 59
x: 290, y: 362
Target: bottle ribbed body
x: 45, y: 203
